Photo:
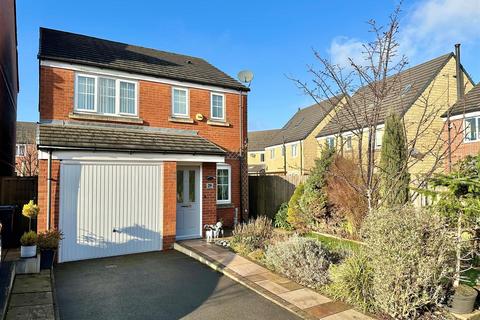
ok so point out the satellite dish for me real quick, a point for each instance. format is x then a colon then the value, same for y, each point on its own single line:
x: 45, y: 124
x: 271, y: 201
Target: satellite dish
x: 245, y: 76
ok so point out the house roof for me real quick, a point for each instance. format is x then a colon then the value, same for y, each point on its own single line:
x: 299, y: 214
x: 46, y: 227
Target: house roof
x: 256, y: 168
x: 26, y: 132
x: 303, y: 122
x: 81, y: 49
x: 90, y: 137
x: 406, y: 88
x: 470, y: 103
x: 258, y: 140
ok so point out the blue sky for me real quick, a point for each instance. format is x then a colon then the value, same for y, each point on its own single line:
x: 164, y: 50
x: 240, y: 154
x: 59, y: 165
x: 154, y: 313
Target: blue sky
x: 272, y: 38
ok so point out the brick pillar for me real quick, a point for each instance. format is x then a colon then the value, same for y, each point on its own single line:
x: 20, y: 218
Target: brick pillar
x: 209, y: 197
x: 169, y: 203
x: 42, y: 195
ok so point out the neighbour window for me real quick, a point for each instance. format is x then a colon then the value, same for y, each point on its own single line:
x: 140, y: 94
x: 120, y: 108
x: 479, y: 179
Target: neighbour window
x: 348, y: 142
x: 378, y: 138
x: 86, y: 93
x: 180, y: 102
x: 294, y: 150
x: 20, y: 150
x: 105, y: 95
x: 472, y: 128
x: 223, y: 183
x: 218, y: 106
x: 272, y: 153
x: 283, y: 151
x: 262, y: 157
x: 330, y: 141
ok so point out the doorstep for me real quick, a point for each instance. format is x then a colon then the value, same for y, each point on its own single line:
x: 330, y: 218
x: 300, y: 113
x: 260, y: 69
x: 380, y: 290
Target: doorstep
x: 300, y: 300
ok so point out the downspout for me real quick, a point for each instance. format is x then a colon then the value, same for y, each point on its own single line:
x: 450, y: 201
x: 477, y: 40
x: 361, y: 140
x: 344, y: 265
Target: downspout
x: 301, y: 157
x: 242, y: 191
x: 49, y: 187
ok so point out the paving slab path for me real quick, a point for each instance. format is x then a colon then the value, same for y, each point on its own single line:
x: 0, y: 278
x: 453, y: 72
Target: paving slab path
x: 303, y: 301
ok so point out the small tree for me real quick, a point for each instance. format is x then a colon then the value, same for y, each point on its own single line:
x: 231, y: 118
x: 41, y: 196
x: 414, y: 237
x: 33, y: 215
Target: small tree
x: 393, y: 163
x: 30, y: 210
x: 295, y: 215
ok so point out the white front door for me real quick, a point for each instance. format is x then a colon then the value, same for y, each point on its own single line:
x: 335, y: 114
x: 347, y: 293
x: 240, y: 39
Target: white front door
x: 109, y: 209
x: 188, y: 203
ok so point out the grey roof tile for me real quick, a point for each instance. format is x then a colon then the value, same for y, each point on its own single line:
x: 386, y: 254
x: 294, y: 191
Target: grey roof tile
x: 470, y: 103
x: 258, y: 140
x: 75, y: 48
x: 26, y: 132
x: 121, y: 139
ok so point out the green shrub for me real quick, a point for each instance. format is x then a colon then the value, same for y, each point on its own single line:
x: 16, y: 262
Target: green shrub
x: 49, y: 239
x: 303, y: 260
x: 352, y: 281
x: 281, y: 217
x: 412, y: 257
x: 29, y: 238
x: 296, y: 217
x: 248, y: 237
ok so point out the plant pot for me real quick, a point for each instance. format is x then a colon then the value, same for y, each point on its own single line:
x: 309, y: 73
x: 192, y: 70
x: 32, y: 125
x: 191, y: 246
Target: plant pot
x: 28, y: 251
x: 463, y: 300
x: 47, y: 257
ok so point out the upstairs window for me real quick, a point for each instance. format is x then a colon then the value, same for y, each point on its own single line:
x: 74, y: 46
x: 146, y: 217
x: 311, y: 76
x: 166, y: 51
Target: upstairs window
x: 105, y: 95
x: 20, y: 150
x: 283, y: 151
x: 294, y: 150
x: 472, y: 128
x: 218, y: 106
x: 262, y: 157
x: 180, y: 102
x: 348, y: 142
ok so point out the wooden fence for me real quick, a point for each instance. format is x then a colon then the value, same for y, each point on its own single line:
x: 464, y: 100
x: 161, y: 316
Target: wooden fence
x: 17, y: 191
x: 267, y: 192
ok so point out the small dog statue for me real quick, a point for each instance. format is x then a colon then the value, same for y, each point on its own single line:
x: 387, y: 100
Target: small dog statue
x: 213, y: 231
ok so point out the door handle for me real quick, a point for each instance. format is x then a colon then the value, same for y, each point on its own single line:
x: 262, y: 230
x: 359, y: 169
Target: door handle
x: 187, y: 206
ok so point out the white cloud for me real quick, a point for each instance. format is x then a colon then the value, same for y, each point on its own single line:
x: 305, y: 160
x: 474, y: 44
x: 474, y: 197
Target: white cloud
x: 428, y: 29
x: 432, y: 27
x: 343, y: 48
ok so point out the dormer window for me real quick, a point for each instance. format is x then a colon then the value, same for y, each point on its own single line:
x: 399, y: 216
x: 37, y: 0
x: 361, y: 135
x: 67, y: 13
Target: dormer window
x: 105, y: 95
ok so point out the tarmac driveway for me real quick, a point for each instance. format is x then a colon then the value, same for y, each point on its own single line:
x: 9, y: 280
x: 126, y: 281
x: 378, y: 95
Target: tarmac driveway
x: 157, y: 285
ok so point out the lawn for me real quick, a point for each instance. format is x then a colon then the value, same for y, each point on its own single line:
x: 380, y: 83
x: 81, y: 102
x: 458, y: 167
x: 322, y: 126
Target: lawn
x: 335, y: 243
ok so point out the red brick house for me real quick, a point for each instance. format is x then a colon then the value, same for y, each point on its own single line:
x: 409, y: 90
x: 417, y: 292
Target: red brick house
x: 26, y: 155
x: 138, y: 147
x: 464, y: 126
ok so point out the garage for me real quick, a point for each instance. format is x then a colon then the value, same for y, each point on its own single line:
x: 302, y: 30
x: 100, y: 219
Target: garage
x: 109, y: 208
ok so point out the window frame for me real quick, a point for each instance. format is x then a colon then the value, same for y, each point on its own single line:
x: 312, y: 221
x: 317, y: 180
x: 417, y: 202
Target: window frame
x: 272, y: 153
x: 17, y: 146
x: 223, y: 166
x: 224, y: 106
x: 262, y: 157
x: 348, y: 142
x: 187, y: 102
x: 96, y: 95
x: 296, y: 150
x: 332, y: 138
x: 477, y: 123
x: 378, y: 142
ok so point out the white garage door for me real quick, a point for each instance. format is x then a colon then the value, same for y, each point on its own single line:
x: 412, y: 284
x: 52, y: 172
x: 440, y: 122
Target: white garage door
x: 109, y: 209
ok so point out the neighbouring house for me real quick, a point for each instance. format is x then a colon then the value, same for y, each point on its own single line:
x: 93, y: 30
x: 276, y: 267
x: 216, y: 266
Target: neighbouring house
x: 138, y: 147
x: 26, y: 156
x: 257, y: 141
x: 293, y: 148
x: 420, y: 94
x: 9, y: 86
x: 464, y: 117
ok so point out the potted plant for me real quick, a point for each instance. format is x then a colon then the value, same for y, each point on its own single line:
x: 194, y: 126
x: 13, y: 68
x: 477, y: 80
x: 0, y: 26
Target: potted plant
x: 28, y: 243
x: 48, y: 242
x: 30, y: 210
x: 463, y: 300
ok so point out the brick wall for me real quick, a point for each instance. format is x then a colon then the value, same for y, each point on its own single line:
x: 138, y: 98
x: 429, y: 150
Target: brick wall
x: 460, y: 148
x: 169, y: 204
x: 42, y: 195
x: 209, y: 196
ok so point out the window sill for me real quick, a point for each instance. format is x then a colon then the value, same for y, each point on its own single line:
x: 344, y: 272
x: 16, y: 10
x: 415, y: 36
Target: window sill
x: 218, y: 123
x: 224, y: 205
x: 180, y: 120
x: 99, y: 117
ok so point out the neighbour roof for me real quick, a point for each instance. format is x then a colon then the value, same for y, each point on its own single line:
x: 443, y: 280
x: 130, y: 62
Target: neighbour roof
x: 406, y: 88
x: 470, y: 103
x: 303, y: 122
x: 122, y: 139
x: 26, y: 132
x: 76, y: 48
x: 258, y: 140
x: 256, y: 168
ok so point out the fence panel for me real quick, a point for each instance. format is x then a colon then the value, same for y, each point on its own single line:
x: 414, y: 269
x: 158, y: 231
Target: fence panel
x: 17, y: 191
x: 268, y: 192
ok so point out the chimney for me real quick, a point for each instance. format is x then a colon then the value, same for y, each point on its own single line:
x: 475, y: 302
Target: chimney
x: 459, y: 73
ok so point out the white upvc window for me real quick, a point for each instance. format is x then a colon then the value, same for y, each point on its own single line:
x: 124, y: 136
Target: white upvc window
x: 283, y: 150
x: 262, y: 157
x: 224, y: 183
x: 180, y: 102
x: 20, y: 150
x: 105, y: 95
x: 348, y: 142
x: 378, y: 138
x: 217, y: 110
x: 294, y: 150
x: 330, y: 141
x: 272, y: 153
x: 472, y: 129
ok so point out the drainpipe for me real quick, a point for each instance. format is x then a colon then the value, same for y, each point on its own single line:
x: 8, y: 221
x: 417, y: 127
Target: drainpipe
x: 49, y: 188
